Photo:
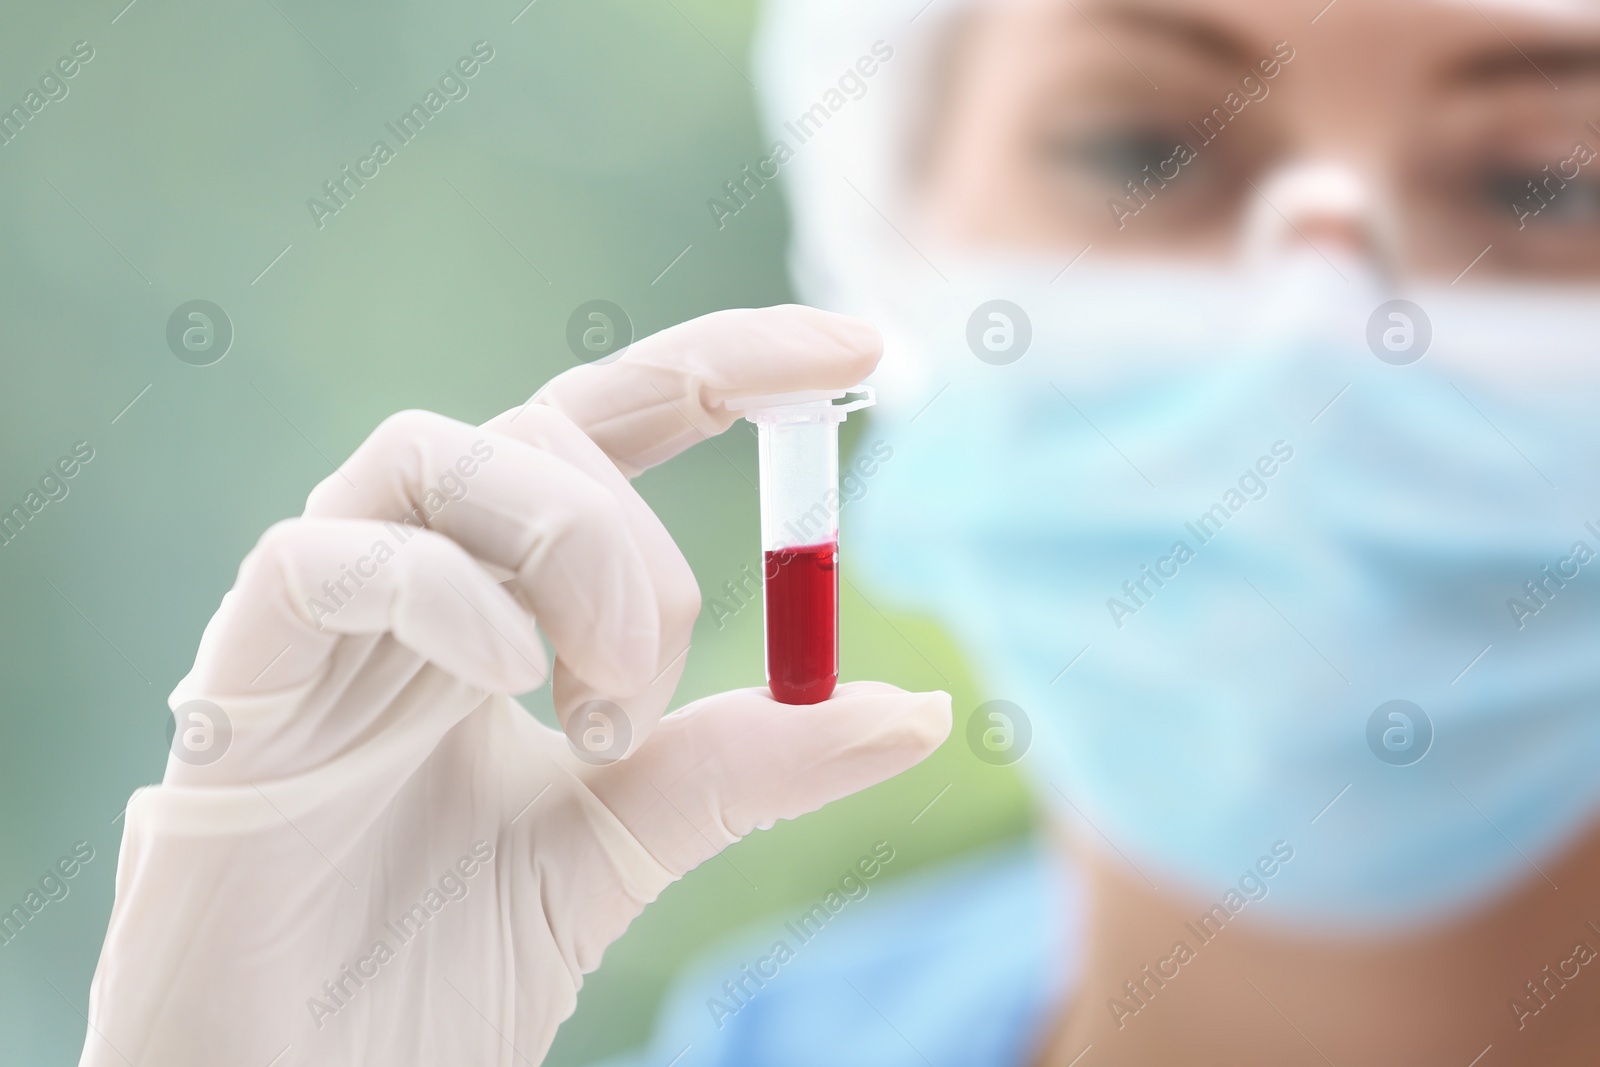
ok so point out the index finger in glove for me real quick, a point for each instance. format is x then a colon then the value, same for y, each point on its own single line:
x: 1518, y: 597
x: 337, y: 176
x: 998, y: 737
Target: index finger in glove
x: 563, y: 535
x: 670, y: 390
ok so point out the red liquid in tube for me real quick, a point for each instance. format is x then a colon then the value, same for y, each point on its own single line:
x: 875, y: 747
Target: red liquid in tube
x: 802, y: 605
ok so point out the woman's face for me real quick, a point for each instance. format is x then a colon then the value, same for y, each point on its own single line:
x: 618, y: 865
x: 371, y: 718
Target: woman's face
x: 1153, y: 128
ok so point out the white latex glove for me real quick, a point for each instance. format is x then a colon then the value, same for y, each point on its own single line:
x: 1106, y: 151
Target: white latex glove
x: 393, y: 863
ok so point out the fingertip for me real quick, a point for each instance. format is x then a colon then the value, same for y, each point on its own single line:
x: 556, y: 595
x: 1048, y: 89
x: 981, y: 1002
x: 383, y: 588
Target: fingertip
x: 938, y: 716
x: 937, y: 698
x: 860, y: 337
x: 525, y: 670
x: 858, y: 342
x: 926, y: 717
x: 921, y: 721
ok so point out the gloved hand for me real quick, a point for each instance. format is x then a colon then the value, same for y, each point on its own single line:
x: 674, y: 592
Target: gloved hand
x: 392, y: 863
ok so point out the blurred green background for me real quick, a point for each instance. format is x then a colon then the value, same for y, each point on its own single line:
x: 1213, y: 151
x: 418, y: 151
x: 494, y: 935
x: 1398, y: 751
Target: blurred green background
x: 178, y: 167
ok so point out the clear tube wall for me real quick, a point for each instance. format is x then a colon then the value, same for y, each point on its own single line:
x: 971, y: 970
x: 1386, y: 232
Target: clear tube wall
x: 799, y: 461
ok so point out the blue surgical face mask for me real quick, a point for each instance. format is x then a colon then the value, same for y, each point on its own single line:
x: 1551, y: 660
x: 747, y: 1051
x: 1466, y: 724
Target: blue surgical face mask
x: 1203, y: 536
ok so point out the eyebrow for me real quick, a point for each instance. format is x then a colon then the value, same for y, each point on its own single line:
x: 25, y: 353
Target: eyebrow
x: 1519, y: 64
x: 1197, y: 34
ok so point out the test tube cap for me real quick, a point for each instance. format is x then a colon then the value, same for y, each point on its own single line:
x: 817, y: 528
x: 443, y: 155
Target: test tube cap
x: 808, y: 405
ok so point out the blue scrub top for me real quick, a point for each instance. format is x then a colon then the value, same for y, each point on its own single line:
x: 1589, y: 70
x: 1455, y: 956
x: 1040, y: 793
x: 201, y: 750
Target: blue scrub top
x: 962, y: 965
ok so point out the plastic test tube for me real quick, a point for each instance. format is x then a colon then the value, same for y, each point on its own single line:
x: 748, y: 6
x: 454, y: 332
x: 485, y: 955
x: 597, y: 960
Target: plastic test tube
x: 798, y: 442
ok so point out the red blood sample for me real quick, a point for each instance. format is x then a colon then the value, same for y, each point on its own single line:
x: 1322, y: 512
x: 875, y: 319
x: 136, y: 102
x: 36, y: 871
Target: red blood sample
x: 803, y: 622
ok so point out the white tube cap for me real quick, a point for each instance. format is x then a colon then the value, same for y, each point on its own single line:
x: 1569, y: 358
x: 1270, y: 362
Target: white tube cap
x: 809, y: 405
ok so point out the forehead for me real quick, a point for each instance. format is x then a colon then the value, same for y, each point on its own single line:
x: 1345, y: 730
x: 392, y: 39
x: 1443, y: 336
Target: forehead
x: 1467, y: 41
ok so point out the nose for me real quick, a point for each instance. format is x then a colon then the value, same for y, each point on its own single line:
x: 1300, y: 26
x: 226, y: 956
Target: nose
x: 1325, y: 203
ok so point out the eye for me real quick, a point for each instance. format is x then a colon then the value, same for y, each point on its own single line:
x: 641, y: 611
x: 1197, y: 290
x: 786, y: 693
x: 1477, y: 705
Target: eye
x: 1116, y: 156
x: 1542, y: 197
x: 1579, y: 202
